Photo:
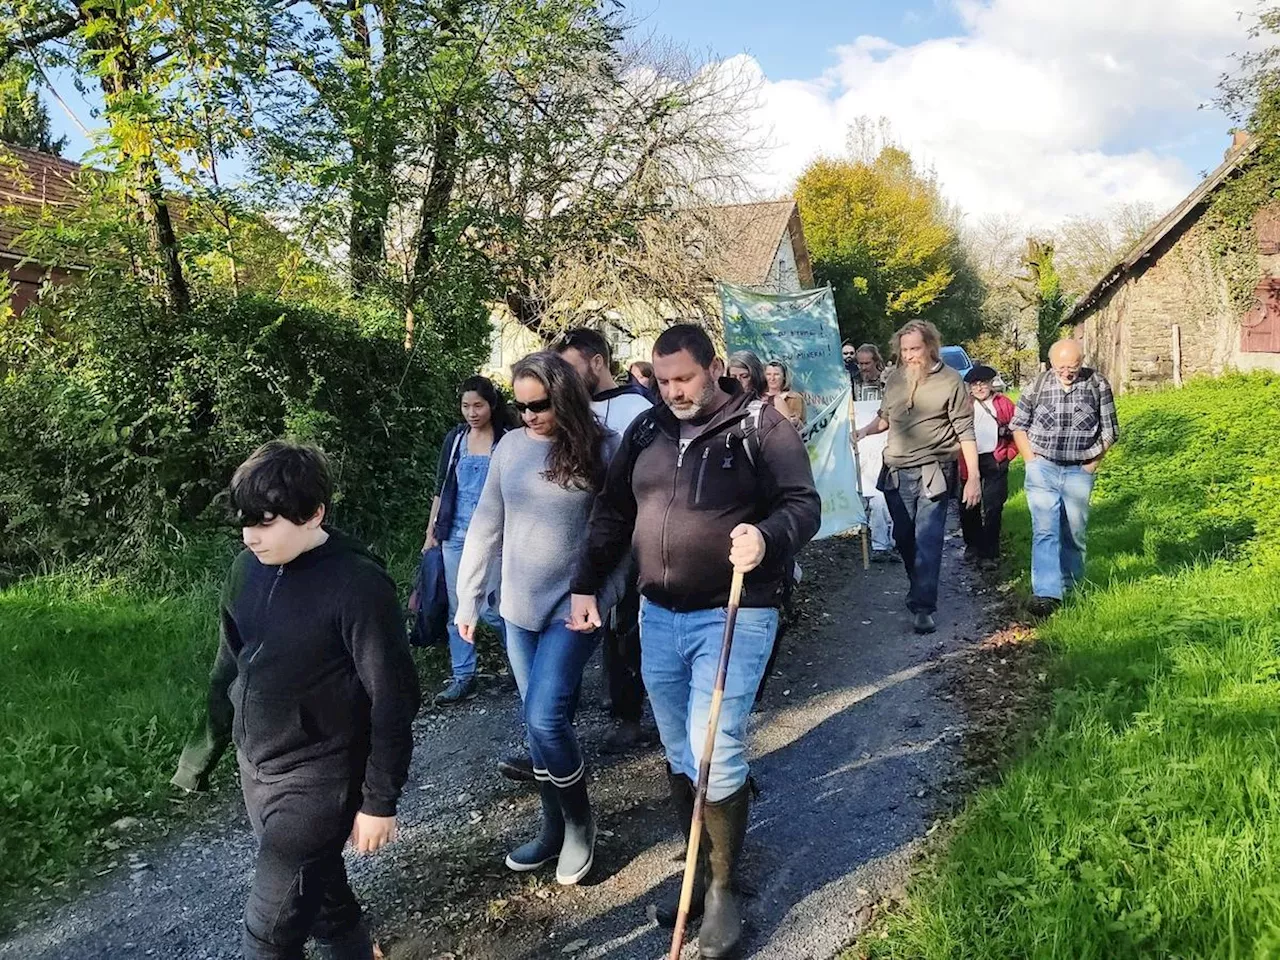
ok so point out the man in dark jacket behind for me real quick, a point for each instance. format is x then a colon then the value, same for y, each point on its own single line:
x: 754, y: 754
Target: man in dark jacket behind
x: 315, y: 684
x: 707, y: 483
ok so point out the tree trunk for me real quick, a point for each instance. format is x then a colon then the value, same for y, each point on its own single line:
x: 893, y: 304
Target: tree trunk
x: 121, y: 79
x: 373, y: 160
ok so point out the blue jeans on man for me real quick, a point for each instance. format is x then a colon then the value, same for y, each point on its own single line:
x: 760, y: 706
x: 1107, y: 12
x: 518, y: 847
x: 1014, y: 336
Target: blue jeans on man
x: 547, y: 665
x: 679, y: 656
x: 462, y: 655
x: 1058, y: 497
x: 919, y: 528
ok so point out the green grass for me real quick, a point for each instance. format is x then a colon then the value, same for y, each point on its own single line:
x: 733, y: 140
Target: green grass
x: 1144, y: 819
x: 99, y: 687
x: 102, y: 681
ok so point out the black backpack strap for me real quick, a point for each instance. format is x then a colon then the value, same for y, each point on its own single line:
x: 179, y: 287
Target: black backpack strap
x: 643, y: 433
x: 750, y: 431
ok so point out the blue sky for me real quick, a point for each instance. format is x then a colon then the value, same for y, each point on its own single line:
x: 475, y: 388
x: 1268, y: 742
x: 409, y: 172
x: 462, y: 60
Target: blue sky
x: 792, y: 38
x: 1037, y: 110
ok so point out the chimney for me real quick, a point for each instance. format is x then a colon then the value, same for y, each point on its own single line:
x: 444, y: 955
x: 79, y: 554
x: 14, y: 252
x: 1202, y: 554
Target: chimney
x: 1238, y: 139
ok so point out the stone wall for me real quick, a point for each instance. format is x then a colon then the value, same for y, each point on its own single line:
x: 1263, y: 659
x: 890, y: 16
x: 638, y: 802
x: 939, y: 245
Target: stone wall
x: 1129, y: 334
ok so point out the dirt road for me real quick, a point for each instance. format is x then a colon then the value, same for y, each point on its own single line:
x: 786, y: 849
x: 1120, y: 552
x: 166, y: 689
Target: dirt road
x: 855, y: 750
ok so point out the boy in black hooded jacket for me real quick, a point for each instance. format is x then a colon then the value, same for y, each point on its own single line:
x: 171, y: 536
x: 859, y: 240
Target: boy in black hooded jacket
x: 314, y: 683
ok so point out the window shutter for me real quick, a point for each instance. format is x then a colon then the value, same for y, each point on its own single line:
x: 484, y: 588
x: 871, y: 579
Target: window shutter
x: 1266, y: 223
x: 1260, y: 327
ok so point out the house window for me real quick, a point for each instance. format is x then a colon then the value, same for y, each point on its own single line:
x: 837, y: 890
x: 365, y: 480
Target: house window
x: 1260, y: 327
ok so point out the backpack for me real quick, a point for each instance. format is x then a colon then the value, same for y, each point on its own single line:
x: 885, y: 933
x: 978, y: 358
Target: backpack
x: 747, y: 432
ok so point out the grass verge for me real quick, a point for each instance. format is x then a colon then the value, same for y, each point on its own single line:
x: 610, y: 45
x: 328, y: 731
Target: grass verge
x: 1144, y: 819
x: 103, y: 680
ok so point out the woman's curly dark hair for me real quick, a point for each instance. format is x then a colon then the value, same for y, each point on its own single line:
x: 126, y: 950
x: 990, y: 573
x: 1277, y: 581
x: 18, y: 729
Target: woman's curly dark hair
x: 576, y: 458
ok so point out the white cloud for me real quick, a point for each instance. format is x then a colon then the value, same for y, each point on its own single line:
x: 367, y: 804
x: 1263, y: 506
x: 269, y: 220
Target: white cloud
x: 1040, y: 109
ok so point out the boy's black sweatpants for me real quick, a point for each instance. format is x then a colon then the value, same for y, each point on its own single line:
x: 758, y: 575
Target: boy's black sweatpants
x: 300, y: 887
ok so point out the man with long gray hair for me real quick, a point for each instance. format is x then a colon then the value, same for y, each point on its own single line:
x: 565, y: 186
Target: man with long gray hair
x: 929, y: 415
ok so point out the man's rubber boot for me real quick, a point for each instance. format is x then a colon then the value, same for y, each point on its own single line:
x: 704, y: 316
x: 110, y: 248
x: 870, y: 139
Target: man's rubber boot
x: 725, y: 824
x: 682, y: 796
x: 356, y: 944
x: 545, y: 847
x: 577, y: 852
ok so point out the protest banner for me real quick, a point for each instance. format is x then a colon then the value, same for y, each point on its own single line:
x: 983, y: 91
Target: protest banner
x: 800, y: 330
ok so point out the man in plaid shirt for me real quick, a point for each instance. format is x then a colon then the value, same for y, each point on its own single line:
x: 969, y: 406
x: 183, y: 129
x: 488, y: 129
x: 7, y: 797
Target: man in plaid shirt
x: 1063, y: 427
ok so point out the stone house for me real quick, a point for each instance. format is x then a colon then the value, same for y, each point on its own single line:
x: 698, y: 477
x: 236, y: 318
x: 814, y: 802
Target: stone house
x: 755, y: 245
x: 31, y: 183
x: 1165, y: 312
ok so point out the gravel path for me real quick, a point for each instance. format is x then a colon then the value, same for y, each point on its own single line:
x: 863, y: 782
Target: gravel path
x: 856, y: 749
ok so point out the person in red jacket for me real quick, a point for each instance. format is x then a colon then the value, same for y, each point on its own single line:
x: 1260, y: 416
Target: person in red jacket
x: 992, y: 413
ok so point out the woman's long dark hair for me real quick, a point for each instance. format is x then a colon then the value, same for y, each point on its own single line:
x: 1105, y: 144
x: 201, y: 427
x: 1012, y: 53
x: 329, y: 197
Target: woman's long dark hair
x: 499, y: 412
x: 749, y: 362
x: 576, y: 458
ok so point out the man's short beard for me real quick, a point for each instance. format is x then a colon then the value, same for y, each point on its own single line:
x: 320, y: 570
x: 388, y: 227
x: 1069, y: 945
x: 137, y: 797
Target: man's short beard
x: 696, y: 409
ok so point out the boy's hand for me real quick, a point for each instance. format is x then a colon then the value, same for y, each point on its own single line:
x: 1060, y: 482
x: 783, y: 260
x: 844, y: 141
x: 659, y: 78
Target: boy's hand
x: 372, y: 833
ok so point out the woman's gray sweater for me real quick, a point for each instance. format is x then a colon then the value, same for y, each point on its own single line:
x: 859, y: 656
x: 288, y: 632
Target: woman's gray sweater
x: 535, y: 529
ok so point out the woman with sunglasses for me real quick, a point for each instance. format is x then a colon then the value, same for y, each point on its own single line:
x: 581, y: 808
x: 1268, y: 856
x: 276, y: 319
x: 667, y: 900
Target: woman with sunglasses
x: 464, y: 465
x: 531, y: 518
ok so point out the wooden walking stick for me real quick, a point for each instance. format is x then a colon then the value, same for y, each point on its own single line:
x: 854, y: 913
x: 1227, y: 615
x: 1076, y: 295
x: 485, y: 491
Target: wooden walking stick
x: 704, y: 768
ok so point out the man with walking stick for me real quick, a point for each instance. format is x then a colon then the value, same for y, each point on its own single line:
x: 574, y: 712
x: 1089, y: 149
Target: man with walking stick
x: 703, y: 486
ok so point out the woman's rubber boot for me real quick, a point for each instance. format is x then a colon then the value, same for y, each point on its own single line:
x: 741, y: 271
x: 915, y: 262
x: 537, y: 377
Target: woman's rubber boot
x: 682, y: 797
x: 725, y: 826
x: 545, y: 847
x: 577, y: 853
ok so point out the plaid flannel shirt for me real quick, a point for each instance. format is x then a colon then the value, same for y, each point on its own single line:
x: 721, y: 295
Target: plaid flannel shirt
x: 1069, y: 426
x: 867, y: 391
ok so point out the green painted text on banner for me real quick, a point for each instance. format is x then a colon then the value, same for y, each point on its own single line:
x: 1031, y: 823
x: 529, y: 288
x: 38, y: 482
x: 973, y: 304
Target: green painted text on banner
x: 800, y: 330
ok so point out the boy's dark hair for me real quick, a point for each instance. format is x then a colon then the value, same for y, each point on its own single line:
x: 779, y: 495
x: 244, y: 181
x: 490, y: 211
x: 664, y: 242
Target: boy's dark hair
x: 290, y: 480
x: 590, y: 343
x: 686, y: 336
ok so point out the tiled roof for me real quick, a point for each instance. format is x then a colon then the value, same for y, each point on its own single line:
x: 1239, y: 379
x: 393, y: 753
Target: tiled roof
x: 747, y: 239
x: 31, y: 181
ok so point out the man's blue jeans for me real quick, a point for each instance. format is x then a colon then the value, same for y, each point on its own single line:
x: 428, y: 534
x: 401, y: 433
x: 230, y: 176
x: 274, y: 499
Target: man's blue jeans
x: 462, y: 655
x: 679, y: 657
x: 1058, y: 496
x: 919, y: 528
x: 547, y: 665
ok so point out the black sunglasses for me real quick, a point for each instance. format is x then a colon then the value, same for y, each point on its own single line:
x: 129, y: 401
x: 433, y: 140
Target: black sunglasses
x: 536, y: 406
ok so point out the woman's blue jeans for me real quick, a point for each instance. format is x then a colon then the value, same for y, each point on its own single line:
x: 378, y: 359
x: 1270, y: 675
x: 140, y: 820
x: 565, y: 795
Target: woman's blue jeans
x: 547, y: 665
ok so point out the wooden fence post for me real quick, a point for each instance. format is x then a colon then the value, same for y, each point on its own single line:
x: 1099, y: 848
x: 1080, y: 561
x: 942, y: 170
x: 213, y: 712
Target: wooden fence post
x: 1177, y: 355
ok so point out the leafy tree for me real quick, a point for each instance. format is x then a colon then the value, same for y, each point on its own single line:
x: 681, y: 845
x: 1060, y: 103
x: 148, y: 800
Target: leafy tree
x: 1043, y: 290
x: 24, y: 121
x: 1087, y: 247
x: 880, y: 233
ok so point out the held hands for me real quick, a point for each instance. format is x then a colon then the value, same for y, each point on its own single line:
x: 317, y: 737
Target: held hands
x: 584, y: 616
x: 748, y: 548
x: 972, y: 492
x: 371, y: 833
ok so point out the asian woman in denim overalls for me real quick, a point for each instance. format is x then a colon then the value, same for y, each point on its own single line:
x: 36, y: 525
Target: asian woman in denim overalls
x: 464, y: 466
